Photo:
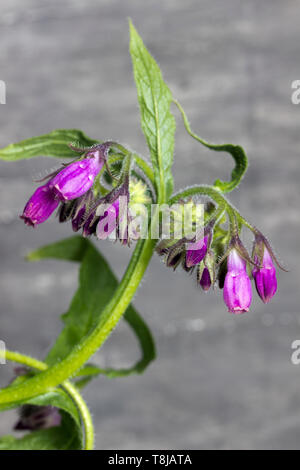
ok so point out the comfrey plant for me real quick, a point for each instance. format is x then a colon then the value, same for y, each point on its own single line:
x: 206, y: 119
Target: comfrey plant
x: 108, y: 191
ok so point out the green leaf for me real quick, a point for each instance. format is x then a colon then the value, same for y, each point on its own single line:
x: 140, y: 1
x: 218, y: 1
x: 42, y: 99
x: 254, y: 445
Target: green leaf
x: 144, y: 336
x: 69, y: 249
x: 236, y: 151
x: 66, y: 436
x: 158, y: 124
x: 54, y: 144
x: 97, y: 284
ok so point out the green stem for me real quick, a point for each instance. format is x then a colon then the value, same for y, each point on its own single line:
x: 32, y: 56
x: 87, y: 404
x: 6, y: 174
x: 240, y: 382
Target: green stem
x: 126, y: 167
x: 68, y: 387
x: 22, y: 359
x: 146, y: 174
x: 112, y: 313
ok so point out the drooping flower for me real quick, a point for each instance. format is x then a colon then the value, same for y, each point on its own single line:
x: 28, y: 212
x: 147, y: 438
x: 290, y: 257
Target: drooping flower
x: 265, y: 276
x: 237, y: 291
x: 77, y: 178
x: 40, y: 206
x: 33, y: 418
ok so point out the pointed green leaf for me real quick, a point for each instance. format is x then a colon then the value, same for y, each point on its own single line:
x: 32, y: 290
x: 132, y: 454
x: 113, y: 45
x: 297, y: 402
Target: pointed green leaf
x: 158, y: 124
x: 54, y: 144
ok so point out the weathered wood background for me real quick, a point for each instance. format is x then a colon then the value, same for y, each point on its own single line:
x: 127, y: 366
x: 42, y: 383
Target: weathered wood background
x: 219, y: 381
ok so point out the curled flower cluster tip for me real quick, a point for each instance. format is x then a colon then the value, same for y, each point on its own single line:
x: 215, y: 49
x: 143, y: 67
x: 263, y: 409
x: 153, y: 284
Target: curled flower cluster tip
x: 218, y: 255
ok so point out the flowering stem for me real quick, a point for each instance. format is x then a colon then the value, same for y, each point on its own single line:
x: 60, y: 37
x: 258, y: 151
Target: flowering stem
x: 68, y: 387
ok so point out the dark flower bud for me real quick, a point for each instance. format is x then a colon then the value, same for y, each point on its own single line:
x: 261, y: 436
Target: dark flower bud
x: 196, y: 251
x: 90, y: 225
x: 205, y: 280
x: 264, y: 273
x: 66, y: 210
x: 33, y: 418
x: 108, y: 219
x: 206, y: 271
x: 82, y: 208
x: 173, y: 252
x: 108, y: 212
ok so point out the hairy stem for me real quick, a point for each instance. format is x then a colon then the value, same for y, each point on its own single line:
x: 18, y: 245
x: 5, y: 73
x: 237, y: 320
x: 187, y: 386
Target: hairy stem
x: 217, y: 196
x: 112, y: 313
x: 141, y: 163
x: 84, y: 413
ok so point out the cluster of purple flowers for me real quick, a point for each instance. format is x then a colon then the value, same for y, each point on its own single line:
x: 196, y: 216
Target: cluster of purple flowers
x: 68, y: 184
x: 234, y: 273
x: 71, y: 189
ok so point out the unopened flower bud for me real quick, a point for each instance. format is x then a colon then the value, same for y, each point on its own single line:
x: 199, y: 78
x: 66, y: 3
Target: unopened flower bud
x: 66, y: 210
x: 90, y: 225
x: 206, y: 275
x: 205, y: 281
x: 265, y: 277
x: 108, y: 220
x: 81, y: 210
x: 196, y: 251
x: 107, y: 214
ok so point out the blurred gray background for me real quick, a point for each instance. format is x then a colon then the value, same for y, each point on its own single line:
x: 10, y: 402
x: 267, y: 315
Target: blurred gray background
x: 219, y: 382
